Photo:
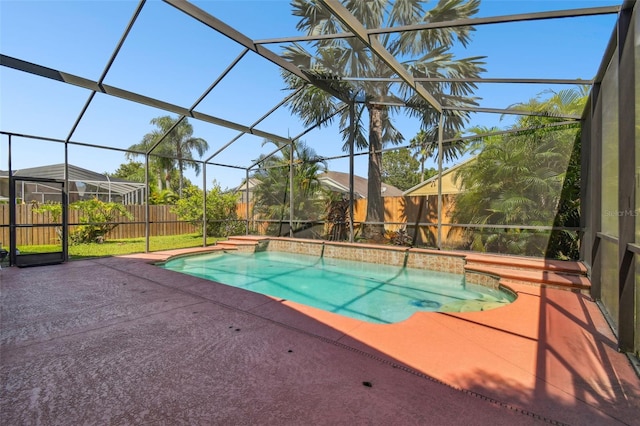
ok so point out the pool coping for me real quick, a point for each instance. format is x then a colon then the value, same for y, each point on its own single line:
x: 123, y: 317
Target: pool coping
x: 550, y: 354
x: 506, y: 342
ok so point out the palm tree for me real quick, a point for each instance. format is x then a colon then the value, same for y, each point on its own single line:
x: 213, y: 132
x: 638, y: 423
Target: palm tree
x: 525, y: 178
x: 176, y: 149
x: 425, y: 145
x: 160, y: 165
x: 424, y: 53
x: 271, y: 194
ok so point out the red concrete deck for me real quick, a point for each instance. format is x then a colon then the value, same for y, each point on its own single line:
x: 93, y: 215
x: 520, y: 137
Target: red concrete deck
x: 120, y: 341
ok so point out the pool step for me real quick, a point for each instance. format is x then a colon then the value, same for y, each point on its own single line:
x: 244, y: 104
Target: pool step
x: 567, y: 275
x: 248, y: 238
x: 243, y: 243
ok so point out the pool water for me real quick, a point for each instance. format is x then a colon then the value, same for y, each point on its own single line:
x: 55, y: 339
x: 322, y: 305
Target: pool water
x: 366, y: 291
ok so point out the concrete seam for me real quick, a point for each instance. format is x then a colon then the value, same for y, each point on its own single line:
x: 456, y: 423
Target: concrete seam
x: 363, y: 353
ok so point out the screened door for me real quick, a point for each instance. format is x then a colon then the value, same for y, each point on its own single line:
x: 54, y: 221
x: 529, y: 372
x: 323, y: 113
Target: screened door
x: 37, y: 222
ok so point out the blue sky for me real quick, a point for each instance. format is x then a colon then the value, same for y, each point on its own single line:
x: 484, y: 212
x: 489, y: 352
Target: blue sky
x: 172, y: 58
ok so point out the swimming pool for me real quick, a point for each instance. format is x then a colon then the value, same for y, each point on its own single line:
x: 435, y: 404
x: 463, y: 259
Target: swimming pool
x: 370, y: 292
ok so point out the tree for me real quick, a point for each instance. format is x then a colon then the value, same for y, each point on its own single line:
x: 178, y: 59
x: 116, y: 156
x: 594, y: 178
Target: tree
x: 400, y: 169
x: 132, y: 171
x: 424, y: 53
x: 272, y: 193
x: 425, y: 145
x: 526, y: 178
x: 174, y: 152
x: 222, y: 216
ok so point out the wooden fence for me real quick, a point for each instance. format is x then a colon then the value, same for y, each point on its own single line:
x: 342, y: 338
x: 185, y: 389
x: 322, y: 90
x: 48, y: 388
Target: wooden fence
x: 162, y: 222
x: 400, y: 212
x: 405, y: 213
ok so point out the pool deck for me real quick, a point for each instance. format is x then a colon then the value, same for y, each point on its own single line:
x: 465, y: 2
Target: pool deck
x: 121, y: 341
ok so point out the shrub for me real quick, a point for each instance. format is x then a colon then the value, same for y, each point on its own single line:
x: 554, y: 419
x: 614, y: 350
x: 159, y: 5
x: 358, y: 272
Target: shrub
x: 222, y: 217
x: 96, y: 219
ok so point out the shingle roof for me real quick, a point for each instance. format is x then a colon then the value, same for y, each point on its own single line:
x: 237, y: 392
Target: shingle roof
x: 339, y: 182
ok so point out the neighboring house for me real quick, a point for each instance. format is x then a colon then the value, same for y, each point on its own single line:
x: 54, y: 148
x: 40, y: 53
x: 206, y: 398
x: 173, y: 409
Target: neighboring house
x: 333, y: 181
x: 449, y: 184
x: 428, y: 191
x: 242, y: 190
x: 339, y: 182
x: 83, y: 184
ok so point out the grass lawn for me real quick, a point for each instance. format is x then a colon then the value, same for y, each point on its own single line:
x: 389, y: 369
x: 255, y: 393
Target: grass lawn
x: 124, y: 246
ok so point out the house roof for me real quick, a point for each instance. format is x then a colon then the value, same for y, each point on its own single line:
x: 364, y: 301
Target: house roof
x: 253, y: 182
x: 434, y: 179
x: 77, y: 174
x: 339, y: 182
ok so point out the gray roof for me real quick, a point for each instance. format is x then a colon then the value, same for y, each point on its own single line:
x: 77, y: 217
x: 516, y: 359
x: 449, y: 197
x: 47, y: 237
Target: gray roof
x: 77, y: 174
x: 339, y: 182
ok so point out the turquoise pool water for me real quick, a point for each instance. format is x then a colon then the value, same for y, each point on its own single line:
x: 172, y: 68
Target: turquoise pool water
x: 366, y: 291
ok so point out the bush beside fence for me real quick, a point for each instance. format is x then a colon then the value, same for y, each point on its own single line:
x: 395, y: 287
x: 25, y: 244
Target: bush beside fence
x: 162, y: 222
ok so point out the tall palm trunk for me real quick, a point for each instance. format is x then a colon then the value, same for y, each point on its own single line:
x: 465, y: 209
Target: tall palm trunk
x: 167, y: 179
x: 375, y: 205
x: 181, y: 175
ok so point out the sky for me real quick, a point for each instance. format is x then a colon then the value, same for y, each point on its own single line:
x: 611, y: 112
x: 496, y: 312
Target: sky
x: 170, y: 57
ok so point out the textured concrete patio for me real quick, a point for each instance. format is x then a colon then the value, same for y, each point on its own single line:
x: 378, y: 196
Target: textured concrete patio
x: 120, y: 341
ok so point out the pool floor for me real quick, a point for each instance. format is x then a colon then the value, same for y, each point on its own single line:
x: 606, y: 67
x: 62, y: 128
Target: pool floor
x: 370, y: 292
